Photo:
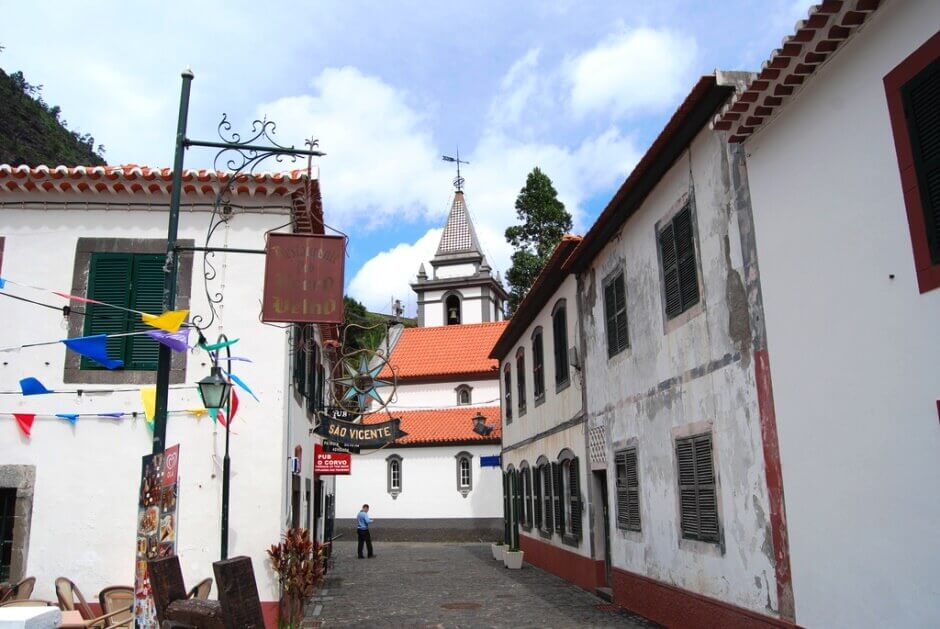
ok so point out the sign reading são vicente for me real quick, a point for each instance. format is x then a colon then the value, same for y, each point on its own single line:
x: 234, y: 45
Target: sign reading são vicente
x: 368, y: 435
x: 303, y: 279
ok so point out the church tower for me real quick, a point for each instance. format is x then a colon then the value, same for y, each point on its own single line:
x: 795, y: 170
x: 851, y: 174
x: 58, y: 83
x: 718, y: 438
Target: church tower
x: 461, y: 287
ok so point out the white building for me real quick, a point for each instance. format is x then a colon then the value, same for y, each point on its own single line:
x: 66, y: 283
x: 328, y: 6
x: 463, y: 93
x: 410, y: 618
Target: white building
x: 544, y: 444
x: 435, y: 483
x: 75, y: 486
x: 844, y: 188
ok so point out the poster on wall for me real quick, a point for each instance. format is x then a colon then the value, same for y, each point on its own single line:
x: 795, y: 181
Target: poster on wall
x: 156, y: 526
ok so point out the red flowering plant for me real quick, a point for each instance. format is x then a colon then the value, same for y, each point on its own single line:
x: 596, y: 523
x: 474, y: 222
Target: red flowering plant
x: 300, y: 566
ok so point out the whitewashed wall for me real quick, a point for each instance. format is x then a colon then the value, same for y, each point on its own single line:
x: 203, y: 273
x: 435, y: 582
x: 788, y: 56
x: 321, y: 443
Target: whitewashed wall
x: 471, y: 305
x: 454, y: 270
x: 649, y: 394
x: 87, y: 477
x: 561, y: 404
x: 429, y: 485
x: 853, y: 353
x: 441, y: 394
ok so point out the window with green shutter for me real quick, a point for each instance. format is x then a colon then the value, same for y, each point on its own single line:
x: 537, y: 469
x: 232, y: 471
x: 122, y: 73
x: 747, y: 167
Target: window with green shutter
x: 538, y: 366
x: 615, y: 314
x: 132, y: 281
x: 560, y: 342
x: 628, y: 490
x: 921, y: 97
x: 680, y: 271
x: 698, y: 497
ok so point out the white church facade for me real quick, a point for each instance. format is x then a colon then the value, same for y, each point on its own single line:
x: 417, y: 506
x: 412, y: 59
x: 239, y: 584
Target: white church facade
x: 443, y: 480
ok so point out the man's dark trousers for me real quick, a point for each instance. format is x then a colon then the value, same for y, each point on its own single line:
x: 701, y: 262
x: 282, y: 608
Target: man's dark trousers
x: 364, y: 538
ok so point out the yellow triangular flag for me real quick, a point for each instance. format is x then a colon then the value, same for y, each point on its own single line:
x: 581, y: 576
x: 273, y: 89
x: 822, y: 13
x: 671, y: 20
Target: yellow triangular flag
x: 171, y: 320
x: 198, y: 413
x: 148, y: 395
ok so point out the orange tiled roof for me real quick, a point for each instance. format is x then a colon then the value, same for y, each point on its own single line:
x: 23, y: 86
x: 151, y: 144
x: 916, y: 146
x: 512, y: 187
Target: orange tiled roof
x: 449, y: 350
x: 446, y: 425
x: 135, y: 179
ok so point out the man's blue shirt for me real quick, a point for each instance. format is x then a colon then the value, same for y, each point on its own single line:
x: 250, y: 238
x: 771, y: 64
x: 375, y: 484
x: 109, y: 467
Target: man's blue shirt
x: 363, y: 520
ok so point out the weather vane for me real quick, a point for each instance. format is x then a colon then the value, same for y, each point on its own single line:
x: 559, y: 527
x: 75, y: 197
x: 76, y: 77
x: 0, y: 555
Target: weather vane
x: 458, y: 182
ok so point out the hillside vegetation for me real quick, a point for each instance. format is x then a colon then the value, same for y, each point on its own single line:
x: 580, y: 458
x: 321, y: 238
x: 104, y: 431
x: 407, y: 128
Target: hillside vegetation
x: 31, y: 132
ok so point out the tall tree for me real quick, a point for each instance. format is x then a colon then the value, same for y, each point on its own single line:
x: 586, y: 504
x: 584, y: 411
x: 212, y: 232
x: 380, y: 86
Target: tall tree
x: 544, y: 222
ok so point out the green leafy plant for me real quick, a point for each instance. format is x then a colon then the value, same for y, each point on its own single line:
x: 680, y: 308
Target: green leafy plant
x: 300, y: 566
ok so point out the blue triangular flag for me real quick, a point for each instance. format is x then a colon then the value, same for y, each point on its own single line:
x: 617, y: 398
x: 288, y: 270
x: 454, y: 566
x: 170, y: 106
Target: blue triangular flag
x: 240, y: 383
x: 94, y: 347
x: 69, y: 417
x: 3, y: 282
x: 112, y: 415
x: 32, y: 386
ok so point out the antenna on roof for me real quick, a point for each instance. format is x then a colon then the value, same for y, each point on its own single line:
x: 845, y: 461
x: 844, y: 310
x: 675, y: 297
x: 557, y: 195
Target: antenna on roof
x: 458, y: 182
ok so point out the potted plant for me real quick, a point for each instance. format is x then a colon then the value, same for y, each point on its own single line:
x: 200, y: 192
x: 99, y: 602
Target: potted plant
x: 299, y: 563
x: 512, y: 558
x: 498, y: 548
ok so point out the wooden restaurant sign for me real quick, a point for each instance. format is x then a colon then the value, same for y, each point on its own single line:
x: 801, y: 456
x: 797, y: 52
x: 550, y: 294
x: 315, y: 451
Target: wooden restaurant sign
x: 361, y: 435
x: 303, y: 279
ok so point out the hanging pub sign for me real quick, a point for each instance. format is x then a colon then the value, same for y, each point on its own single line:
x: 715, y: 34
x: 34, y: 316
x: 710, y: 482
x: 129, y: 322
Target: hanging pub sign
x: 303, y: 279
x: 330, y: 463
x: 359, y: 435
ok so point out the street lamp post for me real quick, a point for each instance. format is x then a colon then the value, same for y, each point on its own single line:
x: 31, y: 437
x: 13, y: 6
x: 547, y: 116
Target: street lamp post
x: 216, y: 392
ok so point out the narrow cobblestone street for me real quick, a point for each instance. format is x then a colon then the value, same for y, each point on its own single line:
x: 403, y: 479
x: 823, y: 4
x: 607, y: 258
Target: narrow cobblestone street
x: 451, y: 585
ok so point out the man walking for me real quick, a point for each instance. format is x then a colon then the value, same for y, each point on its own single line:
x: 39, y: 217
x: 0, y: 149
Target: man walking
x: 362, y: 529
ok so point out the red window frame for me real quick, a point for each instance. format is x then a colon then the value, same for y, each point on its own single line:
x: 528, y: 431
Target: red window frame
x: 928, y: 273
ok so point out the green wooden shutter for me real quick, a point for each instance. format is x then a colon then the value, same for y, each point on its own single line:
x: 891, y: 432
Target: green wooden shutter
x: 685, y: 250
x: 538, y: 366
x: 667, y: 250
x: 109, y: 280
x: 921, y: 96
x: 560, y: 329
x: 620, y: 304
x: 610, y: 315
x: 557, y: 497
x: 537, y: 497
x: 547, y: 509
x: 312, y: 384
x: 142, y: 352
x: 574, y: 482
x: 688, y: 498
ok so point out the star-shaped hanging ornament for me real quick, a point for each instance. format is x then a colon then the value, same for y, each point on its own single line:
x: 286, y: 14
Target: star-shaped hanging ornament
x: 361, y: 382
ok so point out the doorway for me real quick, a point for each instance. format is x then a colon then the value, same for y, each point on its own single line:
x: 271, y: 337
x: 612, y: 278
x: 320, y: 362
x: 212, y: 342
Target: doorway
x: 602, y: 520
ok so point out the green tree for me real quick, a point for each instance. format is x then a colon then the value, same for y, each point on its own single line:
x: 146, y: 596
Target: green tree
x: 544, y: 222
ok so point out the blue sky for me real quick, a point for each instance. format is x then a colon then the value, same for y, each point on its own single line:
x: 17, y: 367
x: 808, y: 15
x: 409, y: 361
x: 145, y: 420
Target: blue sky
x: 577, y: 88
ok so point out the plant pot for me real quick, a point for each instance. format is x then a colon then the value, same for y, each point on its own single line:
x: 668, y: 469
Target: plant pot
x: 498, y: 550
x: 513, y: 559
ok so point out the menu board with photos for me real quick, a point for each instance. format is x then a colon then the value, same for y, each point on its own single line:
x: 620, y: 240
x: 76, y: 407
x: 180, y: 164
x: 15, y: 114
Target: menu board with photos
x: 156, y: 526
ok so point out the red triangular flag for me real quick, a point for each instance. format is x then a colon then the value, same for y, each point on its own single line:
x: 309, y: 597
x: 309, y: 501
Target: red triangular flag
x: 220, y: 417
x: 234, y: 403
x: 25, y: 420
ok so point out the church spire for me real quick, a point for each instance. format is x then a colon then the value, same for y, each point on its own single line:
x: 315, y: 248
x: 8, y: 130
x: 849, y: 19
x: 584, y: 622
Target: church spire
x: 459, y: 236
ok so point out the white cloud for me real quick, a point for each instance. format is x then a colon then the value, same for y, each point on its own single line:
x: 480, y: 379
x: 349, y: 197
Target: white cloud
x: 520, y: 90
x: 635, y: 70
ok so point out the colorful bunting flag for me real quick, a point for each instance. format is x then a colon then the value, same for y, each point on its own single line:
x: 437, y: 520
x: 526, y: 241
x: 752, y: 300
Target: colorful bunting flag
x: 240, y: 383
x: 148, y: 395
x: 3, y: 282
x: 111, y: 415
x: 32, y: 386
x: 69, y: 417
x: 83, y: 300
x: 218, y: 346
x: 171, y: 320
x: 25, y: 421
x: 94, y: 347
x: 198, y: 413
x: 177, y: 341
x: 221, y: 414
x: 214, y: 414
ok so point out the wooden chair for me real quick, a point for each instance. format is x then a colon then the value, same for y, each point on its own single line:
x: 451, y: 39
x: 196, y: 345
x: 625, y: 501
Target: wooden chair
x: 171, y: 602
x: 201, y: 590
x: 71, y: 599
x: 118, y: 599
x: 24, y: 589
x: 238, y: 593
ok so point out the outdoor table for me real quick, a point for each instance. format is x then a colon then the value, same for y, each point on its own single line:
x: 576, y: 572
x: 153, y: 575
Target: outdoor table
x: 30, y: 617
x: 72, y: 620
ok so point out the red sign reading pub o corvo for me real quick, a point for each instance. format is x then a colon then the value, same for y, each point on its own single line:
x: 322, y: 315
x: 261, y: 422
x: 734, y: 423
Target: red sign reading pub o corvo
x: 303, y: 279
x: 330, y: 463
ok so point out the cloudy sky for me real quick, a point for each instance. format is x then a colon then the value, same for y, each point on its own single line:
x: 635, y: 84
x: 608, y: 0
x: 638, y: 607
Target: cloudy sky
x: 579, y: 89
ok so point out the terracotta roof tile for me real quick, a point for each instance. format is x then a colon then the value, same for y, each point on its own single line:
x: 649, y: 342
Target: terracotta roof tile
x: 450, y: 350
x: 447, y: 425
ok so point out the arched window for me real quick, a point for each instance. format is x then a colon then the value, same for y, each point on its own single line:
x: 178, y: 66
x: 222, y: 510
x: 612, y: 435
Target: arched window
x: 569, y: 504
x: 526, y: 495
x: 560, y: 338
x: 463, y: 394
x: 394, y: 475
x: 538, y: 366
x: 544, y: 497
x: 520, y: 382
x: 452, y: 310
x: 464, y: 473
x: 507, y: 393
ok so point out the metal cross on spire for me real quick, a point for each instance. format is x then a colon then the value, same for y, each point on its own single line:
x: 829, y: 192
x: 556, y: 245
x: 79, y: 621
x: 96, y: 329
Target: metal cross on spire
x: 458, y: 182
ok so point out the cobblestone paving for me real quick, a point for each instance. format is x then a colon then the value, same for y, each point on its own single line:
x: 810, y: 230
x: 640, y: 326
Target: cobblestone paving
x: 451, y: 585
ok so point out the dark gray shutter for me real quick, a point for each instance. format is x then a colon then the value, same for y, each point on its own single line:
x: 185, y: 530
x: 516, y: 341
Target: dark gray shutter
x: 698, y: 503
x: 620, y: 310
x: 313, y: 375
x: 300, y: 358
x: 547, y: 496
x: 685, y: 250
x: 574, y: 483
x: 560, y: 337
x: 667, y: 250
x: 610, y: 315
x: 557, y: 497
x: 537, y: 497
x: 520, y: 380
x: 507, y: 393
x: 921, y: 96
x: 628, y: 494
x: 538, y: 366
